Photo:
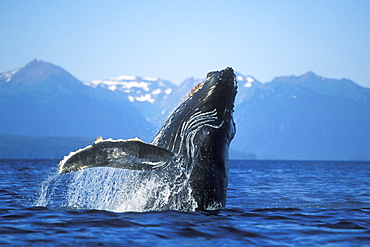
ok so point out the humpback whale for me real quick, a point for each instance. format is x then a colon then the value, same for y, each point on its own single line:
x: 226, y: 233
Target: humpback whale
x: 189, y: 154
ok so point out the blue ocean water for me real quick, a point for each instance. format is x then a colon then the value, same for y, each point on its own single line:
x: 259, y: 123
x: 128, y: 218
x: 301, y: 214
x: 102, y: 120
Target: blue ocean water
x: 270, y: 203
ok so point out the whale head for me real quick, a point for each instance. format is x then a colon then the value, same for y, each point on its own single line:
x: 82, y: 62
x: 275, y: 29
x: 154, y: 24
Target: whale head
x: 199, y: 132
x: 210, y: 103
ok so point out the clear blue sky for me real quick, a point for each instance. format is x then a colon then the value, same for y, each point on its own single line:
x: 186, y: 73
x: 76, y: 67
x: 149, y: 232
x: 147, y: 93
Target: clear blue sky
x: 178, y: 39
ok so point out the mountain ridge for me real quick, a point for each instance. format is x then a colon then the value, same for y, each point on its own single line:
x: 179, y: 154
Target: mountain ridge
x: 290, y: 117
x: 332, y: 87
x: 54, y: 103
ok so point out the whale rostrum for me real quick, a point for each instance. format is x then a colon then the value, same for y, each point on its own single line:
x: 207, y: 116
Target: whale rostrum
x: 190, y: 151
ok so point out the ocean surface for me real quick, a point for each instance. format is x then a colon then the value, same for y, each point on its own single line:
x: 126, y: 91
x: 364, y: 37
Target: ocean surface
x: 270, y: 203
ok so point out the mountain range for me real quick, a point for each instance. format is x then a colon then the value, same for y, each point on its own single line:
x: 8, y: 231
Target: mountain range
x: 42, y: 99
x: 292, y: 117
x: 306, y: 117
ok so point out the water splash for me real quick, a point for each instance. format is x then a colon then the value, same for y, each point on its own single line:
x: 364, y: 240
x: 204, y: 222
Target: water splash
x: 51, y: 191
x: 116, y: 190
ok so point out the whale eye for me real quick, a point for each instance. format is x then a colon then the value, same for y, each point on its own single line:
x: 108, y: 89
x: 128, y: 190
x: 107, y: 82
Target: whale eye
x: 206, y: 131
x: 209, y: 74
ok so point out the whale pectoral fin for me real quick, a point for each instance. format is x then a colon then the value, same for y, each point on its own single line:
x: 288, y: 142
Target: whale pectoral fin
x: 125, y: 154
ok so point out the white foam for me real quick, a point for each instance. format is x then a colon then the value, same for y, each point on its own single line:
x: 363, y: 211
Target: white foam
x: 115, y: 190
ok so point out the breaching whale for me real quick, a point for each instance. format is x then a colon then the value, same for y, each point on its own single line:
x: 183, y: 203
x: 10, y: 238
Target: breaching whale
x: 189, y: 153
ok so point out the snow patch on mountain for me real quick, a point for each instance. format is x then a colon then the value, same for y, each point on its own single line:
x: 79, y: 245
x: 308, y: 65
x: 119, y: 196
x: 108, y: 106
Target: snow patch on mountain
x: 7, y: 77
x: 245, y: 81
x: 137, y: 89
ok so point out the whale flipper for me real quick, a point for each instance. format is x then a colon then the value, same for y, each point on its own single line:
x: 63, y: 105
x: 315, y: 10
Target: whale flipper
x: 130, y: 154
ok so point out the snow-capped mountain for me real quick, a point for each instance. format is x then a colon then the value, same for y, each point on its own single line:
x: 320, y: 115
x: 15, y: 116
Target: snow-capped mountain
x: 137, y: 89
x: 146, y: 93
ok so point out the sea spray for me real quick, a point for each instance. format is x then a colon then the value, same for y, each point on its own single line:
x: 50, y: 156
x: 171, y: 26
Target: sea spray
x: 100, y: 188
x: 43, y: 193
x: 51, y: 191
x: 117, y: 190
